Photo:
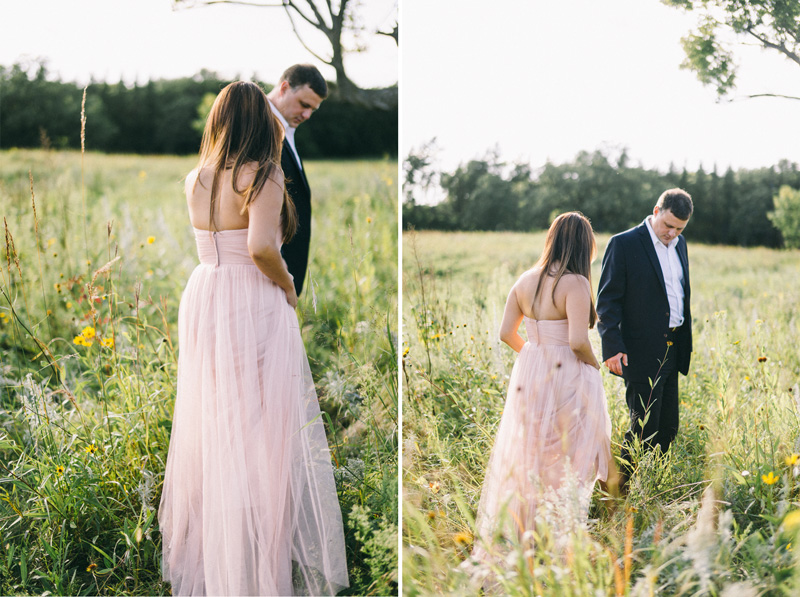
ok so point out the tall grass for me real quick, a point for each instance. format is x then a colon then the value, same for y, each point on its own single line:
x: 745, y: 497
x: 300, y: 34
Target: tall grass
x: 88, y: 333
x: 717, y: 515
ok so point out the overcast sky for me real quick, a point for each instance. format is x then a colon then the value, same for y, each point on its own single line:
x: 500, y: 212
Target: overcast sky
x: 136, y: 40
x: 542, y: 79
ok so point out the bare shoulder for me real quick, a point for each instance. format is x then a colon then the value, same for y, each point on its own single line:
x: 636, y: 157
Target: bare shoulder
x: 574, y: 283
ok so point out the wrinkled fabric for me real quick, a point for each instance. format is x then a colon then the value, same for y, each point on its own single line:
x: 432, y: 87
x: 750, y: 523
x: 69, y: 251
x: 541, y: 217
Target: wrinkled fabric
x: 249, y: 505
x: 552, y: 445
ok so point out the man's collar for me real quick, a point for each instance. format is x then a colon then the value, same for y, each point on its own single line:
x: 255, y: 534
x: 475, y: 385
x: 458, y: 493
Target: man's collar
x: 280, y: 117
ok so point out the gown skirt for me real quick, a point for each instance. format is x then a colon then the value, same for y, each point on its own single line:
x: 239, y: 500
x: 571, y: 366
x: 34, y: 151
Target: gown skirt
x: 552, y: 444
x: 249, y: 505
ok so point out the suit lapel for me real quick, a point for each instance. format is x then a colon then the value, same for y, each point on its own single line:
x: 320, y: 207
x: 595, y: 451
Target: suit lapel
x: 288, y: 149
x: 650, y: 250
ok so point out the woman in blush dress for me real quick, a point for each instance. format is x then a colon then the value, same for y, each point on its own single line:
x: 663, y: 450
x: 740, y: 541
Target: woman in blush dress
x: 553, y: 441
x: 249, y: 504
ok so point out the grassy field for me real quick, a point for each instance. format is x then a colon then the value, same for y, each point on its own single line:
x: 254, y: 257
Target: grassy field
x: 97, y: 251
x: 718, y: 515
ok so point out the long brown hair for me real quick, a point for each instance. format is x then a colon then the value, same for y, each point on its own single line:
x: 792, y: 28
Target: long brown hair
x: 240, y: 129
x: 569, y: 248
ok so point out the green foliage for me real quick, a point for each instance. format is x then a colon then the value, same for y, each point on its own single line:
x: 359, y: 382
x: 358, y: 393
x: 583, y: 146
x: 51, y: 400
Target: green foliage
x: 786, y: 216
x: 773, y: 26
x: 719, y: 514
x: 85, y: 414
x: 164, y: 116
x: 491, y: 195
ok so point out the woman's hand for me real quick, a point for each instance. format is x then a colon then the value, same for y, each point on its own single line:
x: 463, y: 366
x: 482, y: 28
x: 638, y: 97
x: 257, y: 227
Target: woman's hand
x: 291, y: 297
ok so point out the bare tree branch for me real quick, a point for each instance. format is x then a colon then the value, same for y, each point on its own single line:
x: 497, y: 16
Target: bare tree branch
x: 302, y: 42
x: 792, y: 97
x: 781, y: 47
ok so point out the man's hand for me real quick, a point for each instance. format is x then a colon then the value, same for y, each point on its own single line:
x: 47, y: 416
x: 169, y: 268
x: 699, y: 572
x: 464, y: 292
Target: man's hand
x: 615, y: 363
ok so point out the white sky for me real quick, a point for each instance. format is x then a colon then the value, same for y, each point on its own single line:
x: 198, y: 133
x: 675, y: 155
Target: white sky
x: 136, y: 40
x: 545, y: 79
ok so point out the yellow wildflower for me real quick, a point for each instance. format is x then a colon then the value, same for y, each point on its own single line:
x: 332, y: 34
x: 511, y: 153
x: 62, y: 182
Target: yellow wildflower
x: 79, y: 340
x: 669, y: 342
x: 51, y: 242
x: 107, y: 342
x: 434, y: 486
x: 69, y: 305
x: 792, y: 459
x: 792, y: 520
x: 369, y: 220
x: 88, y: 332
x: 462, y: 538
x: 142, y: 174
x: 91, y: 567
x: 151, y: 240
x: 770, y: 479
x: 90, y: 449
x: 60, y: 470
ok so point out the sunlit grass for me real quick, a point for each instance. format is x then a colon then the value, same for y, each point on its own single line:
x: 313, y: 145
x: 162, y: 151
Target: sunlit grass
x: 736, y: 444
x: 88, y: 333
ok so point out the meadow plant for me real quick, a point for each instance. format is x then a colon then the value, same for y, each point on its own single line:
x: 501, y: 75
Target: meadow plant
x: 718, y: 514
x: 88, y: 333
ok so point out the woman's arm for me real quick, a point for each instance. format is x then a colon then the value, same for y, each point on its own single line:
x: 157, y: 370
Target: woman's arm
x: 264, y: 220
x: 512, y: 316
x: 578, y: 302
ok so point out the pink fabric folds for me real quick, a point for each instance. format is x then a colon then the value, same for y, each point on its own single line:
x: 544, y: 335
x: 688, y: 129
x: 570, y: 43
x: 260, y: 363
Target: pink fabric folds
x: 552, y: 444
x: 249, y: 504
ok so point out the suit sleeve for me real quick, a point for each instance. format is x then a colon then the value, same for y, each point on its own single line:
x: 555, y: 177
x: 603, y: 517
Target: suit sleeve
x: 610, y: 299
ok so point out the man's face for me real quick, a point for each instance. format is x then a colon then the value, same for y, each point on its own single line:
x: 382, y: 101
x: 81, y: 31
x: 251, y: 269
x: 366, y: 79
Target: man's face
x: 666, y: 226
x: 297, y: 105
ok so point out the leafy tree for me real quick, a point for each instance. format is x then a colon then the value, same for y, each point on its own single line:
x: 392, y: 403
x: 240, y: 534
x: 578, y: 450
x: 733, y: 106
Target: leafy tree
x: 786, y: 216
x: 773, y: 25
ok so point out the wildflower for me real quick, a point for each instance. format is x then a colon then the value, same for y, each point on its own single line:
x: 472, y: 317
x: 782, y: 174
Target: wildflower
x: 59, y: 470
x: 770, y: 478
x: 405, y: 352
x: 80, y: 341
x: 462, y: 538
x: 151, y: 240
x: 792, y: 520
x: 49, y: 312
x: 91, y: 567
x: 107, y: 342
x: 759, y: 321
x: 142, y: 174
x: 431, y: 514
x: 792, y: 459
x: 90, y: 449
x: 669, y: 342
x: 369, y: 220
x: 88, y: 332
x: 762, y: 359
x: 51, y: 242
x: 434, y: 486
x: 69, y: 305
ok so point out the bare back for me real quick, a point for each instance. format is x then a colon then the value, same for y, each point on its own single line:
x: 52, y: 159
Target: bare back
x: 228, y: 204
x: 544, y: 308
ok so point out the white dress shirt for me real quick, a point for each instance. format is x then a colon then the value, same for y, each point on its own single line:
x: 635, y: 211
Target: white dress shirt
x: 672, y: 270
x: 288, y: 131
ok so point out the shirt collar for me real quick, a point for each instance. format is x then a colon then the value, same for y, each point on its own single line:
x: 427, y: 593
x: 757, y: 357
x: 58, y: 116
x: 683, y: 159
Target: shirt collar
x: 288, y: 131
x: 655, y: 239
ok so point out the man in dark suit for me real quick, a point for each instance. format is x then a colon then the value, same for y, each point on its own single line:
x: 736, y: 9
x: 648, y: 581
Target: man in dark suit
x: 299, y: 93
x: 645, y: 319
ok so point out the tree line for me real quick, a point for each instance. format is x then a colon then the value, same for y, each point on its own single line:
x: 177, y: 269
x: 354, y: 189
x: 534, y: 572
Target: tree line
x: 734, y: 207
x: 164, y: 116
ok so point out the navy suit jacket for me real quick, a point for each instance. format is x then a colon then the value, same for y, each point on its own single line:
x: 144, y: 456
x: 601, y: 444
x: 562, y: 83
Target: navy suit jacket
x: 295, y: 252
x: 632, y: 306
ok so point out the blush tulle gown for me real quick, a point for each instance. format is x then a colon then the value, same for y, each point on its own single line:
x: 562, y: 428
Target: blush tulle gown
x: 249, y: 504
x: 552, y: 444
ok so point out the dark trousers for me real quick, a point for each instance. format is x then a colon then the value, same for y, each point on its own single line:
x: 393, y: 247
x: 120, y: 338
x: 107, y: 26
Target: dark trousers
x: 653, y: 411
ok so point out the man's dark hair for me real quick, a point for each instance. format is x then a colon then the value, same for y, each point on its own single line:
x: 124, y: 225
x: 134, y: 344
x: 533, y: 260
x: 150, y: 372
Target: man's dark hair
x: 678, y: 201
x: 298, y: 75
